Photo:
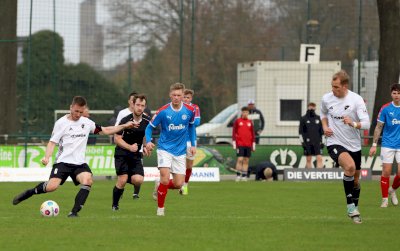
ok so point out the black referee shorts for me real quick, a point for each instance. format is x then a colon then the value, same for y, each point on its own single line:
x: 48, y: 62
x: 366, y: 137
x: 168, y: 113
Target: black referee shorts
x: 129, y: 164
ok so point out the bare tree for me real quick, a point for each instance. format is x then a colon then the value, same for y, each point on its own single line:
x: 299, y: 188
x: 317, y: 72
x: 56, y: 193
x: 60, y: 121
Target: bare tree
x: 141, y: 23
x: 8, y: 65
x: 227, y: 32
x: 389, y: 51
x: 336, y: 27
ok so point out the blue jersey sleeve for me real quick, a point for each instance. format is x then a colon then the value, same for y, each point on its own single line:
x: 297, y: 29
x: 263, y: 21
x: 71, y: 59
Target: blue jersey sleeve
x: 153, y: 124
x: 148, y: 132
x: 196, y: 121
x: 382, y: 116
x: 192, y: 134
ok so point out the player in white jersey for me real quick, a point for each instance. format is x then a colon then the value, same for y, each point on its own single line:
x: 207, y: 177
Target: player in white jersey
x: 71, y: 133
x: 343, y: 113
x: 389, y: 121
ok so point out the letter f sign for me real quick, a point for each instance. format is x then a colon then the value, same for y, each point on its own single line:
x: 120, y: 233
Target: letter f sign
x: 309, y: 53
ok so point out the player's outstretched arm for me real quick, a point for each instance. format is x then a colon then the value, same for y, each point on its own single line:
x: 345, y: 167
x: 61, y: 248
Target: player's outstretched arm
x: 108, y: 130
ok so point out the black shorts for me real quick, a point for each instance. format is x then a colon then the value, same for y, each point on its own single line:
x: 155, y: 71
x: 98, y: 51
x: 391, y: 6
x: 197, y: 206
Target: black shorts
x: 335, y: 150
x: 243, y: 151
x: 65, y: 170
x: 129, y: 164
x: 312, y: 149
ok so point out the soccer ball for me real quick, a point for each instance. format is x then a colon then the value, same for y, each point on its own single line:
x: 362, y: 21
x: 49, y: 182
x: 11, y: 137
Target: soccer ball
x: 49, y: 208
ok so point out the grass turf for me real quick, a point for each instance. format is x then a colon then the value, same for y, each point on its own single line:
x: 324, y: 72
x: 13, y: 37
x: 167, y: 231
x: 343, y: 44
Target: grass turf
x: 214, y: 216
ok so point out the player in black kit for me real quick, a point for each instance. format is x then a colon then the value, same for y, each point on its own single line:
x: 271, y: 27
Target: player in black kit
x: 128, y: 152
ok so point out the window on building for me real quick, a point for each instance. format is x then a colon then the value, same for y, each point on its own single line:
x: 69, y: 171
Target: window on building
x: 290, y: 109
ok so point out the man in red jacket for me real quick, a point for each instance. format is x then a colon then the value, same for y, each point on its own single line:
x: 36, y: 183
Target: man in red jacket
x: 244, y: 141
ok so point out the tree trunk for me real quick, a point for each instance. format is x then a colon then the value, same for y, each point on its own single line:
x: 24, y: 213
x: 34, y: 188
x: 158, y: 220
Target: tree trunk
x: 8, y: 66
x: 389, y: 53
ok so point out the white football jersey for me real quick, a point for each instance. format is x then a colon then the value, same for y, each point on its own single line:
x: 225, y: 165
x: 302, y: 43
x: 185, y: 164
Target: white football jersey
x: 334, y: 109
x: 71, y: 137
x: 122, y: 114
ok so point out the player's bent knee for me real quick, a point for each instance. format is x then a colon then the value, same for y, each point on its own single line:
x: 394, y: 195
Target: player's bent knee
x: 87, y: 181
x: 137, y: 181
x: 121, y: 184
x: 178, y: 184
x: 122, y: 180
x: 51, y: 187
x: 350, y: 171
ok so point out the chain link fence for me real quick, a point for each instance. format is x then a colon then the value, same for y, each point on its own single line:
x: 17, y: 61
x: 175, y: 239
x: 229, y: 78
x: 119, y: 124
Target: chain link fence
x: 227, y: 51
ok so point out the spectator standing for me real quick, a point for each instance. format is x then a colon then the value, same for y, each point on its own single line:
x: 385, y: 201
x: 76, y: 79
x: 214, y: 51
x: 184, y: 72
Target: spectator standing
x: 243, y: 140
x: 310, y: 134
x: 257, y: 117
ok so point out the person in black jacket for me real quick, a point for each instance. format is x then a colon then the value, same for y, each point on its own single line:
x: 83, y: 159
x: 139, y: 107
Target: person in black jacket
x: 310, y: 134
x: 264, y: 171
x: 257, y: 117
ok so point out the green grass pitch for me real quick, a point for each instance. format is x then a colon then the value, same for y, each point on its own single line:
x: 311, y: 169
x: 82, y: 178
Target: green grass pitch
x: 214, y: 216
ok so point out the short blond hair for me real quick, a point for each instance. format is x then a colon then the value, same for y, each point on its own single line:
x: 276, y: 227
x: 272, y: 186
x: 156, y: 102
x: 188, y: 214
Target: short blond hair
x: 343, y: 76
x: 177, y: 86
x: 268, y: 172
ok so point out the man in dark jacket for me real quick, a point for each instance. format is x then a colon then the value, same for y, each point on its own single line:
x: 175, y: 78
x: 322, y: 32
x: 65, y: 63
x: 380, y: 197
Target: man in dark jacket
x: 310, y: 134
x: 264, y: 171
x: 258, y: 119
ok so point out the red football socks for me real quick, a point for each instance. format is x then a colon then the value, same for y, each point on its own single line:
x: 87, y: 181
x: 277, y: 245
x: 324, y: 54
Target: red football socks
x: 188, y: 174
x: 171, y: 185
x: 396, y: 182
x: 385, y: 186
x: 161, y: 194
